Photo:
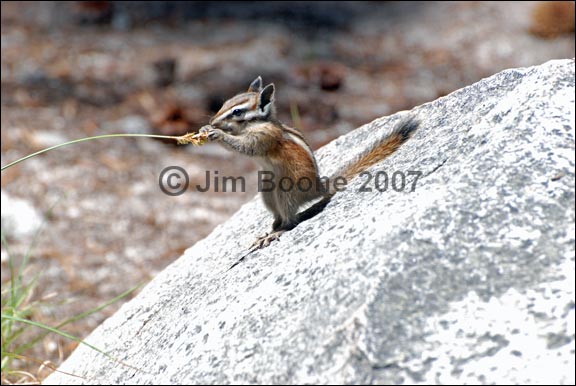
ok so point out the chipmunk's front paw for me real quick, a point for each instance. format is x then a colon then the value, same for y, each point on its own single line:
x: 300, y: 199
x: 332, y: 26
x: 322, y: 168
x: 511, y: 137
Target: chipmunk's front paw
x: 214, y: 134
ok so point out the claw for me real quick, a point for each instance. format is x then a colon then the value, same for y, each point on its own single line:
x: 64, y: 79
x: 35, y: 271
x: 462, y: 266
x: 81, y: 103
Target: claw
x: 261, y: 242
x: 264, y: 241
x: 204, y: 129
x: 212, y: 132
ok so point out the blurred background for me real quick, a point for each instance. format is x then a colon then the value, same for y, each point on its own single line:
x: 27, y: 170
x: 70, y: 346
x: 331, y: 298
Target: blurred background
x: 76, y: 69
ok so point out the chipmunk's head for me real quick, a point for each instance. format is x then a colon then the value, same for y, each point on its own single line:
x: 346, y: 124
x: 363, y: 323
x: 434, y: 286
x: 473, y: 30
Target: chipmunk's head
x: 254, y: 105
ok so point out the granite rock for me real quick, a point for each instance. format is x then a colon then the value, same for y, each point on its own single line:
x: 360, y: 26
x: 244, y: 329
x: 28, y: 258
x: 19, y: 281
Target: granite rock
x: 464, y: 276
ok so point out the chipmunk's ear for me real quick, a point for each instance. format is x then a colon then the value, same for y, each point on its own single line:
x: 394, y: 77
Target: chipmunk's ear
x: 256, y: 85
x: 266, y: 98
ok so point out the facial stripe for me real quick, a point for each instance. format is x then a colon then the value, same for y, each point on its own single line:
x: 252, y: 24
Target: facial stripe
x: 254, y: 114
x: 227, y: 114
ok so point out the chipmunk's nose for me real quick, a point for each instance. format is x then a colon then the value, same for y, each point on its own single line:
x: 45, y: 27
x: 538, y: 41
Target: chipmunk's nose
x: 214, y: 119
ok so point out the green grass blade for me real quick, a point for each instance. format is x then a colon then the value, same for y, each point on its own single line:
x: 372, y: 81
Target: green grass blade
x: 99, y: 308
x: 80, y: 316
x: 83, y: 140
x: 10, y: 265
x: 295, y: 114
x: 66, y: 335
x: 51, y: 329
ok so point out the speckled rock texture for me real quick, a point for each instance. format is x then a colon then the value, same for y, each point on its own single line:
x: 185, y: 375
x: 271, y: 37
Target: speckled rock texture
x: 469, y: 278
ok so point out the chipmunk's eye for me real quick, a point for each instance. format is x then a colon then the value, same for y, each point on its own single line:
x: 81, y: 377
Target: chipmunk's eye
x: 237, y: 112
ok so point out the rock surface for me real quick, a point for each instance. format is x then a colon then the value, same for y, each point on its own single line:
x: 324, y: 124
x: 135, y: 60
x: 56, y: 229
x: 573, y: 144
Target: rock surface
x: 467, y: 279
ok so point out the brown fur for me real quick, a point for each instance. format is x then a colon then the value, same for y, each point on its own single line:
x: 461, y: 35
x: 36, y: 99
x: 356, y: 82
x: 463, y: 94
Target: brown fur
x: 379, y: 153
x: 295, y: 160
x: 284, y: 151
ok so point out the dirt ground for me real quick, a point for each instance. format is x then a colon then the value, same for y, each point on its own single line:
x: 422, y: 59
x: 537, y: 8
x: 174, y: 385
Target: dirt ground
x: 66, y: 74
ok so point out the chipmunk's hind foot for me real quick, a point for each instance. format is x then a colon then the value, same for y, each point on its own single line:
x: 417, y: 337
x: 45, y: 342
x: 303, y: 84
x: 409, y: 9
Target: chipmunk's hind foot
x: 266, y: 240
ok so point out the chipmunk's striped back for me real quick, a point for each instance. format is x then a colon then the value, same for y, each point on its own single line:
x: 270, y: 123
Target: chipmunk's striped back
x: 247, y: 124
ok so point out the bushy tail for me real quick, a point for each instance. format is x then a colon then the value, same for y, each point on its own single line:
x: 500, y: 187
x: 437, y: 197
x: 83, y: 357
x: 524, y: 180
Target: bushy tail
x: 381, y: 150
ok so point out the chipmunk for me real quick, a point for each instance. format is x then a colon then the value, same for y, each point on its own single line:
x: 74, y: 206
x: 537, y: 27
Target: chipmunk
x: 247, y: 124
